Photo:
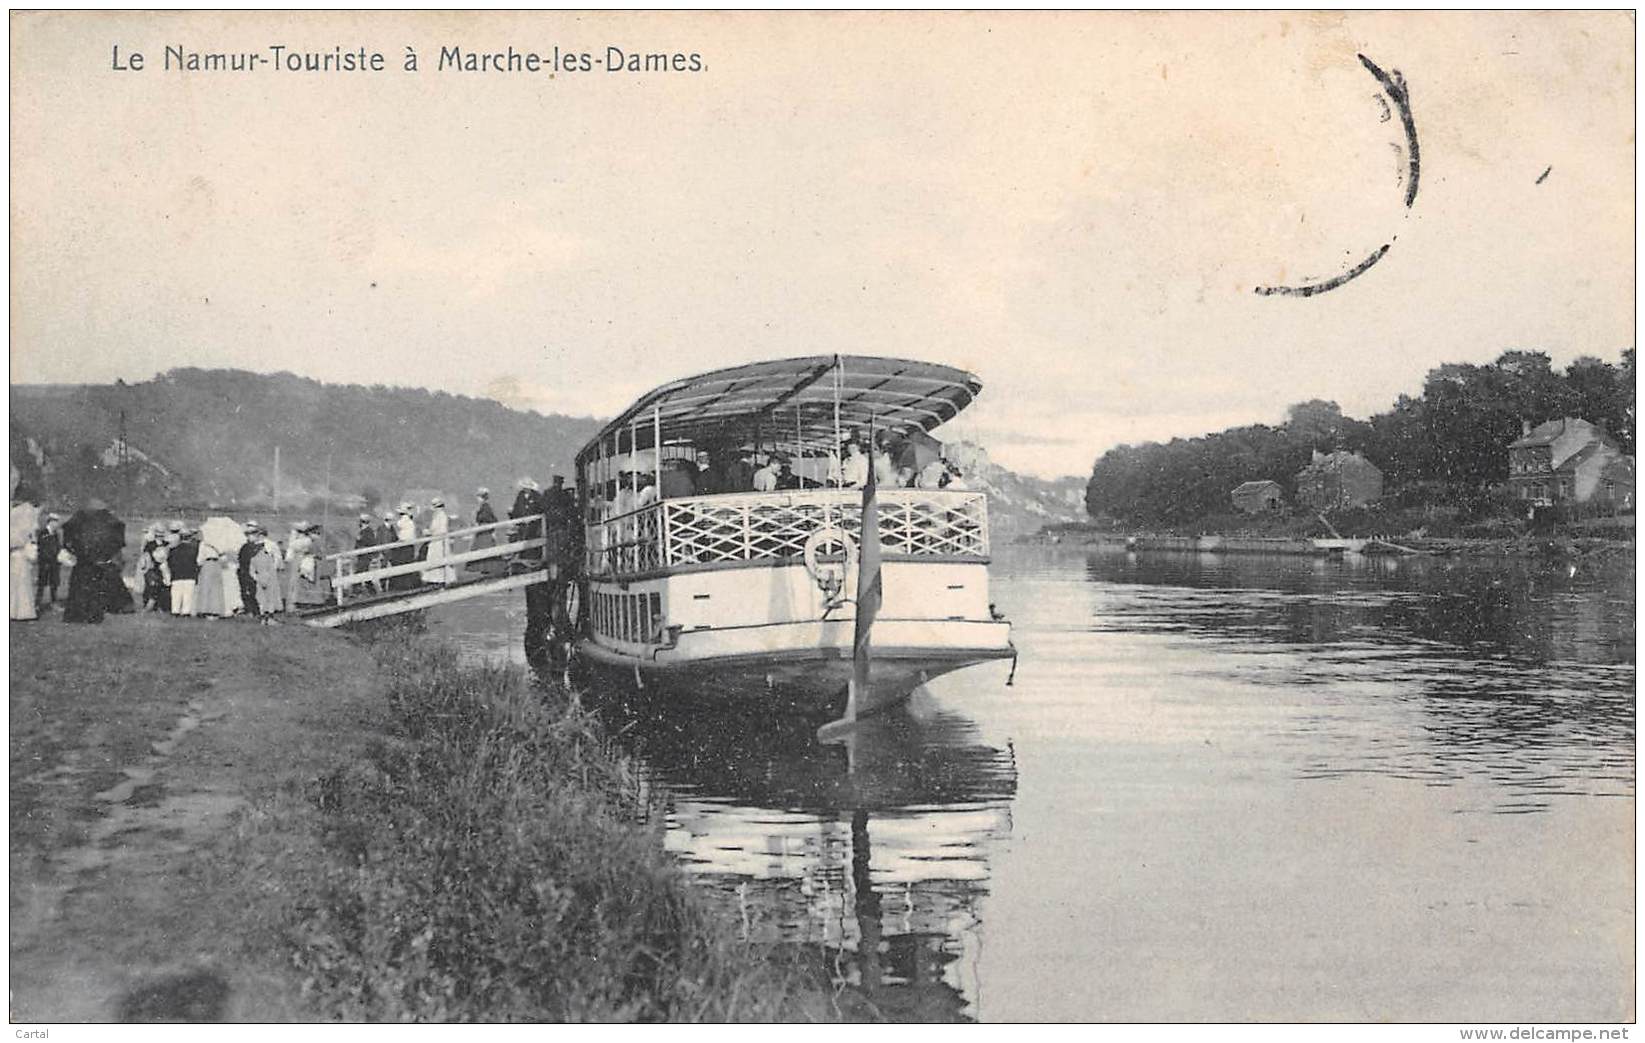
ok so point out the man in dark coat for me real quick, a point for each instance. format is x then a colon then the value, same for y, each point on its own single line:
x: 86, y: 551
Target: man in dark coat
x: 242, y: 572
x: 366, y: 536
x: 528, y: 503
x: 96, y: 538
x: 560, y: 509
x: 49, y: 572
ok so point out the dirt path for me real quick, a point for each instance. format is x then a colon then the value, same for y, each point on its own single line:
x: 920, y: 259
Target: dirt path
x: 162, y: 774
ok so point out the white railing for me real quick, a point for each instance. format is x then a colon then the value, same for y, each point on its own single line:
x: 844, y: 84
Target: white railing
x: 370, y: 567
x: 776, y: 525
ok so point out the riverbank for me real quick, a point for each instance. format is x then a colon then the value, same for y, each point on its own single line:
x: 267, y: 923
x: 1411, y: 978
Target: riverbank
x: 1616, y: 543
x: 221, y: 821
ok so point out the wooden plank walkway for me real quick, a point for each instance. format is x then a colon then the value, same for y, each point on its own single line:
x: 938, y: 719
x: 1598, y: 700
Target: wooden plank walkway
x: 426, y: 596
x: 356, y: 574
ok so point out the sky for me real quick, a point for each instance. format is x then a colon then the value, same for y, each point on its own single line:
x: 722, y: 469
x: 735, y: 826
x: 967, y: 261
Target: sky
x: 1076, y: 207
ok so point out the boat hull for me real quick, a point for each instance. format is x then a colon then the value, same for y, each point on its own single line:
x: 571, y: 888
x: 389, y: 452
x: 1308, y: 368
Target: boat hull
x: 801, y: 679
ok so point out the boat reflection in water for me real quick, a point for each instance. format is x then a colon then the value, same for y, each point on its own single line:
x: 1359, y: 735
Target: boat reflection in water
x: 874, y: 852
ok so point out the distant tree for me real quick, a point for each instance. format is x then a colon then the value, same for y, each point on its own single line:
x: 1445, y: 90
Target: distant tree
x: 1315, y: 423
x: 1600, y: 395
x: 1447, y: 445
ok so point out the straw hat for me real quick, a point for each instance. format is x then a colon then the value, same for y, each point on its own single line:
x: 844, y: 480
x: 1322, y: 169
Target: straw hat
x: 527, y: 483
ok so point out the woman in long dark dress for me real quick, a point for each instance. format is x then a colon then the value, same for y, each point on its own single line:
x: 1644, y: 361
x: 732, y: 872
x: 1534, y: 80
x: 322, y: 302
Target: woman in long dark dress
x: 95, y: 538
x: 484, y: 515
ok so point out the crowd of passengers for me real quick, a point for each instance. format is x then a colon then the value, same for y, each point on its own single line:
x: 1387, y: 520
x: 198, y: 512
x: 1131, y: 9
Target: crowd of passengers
x: 638, y: 483
x: 221, y: 569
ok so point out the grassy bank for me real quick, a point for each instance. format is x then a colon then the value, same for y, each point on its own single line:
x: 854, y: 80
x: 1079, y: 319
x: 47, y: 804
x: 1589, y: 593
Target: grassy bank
x: 146, y: 755
x: 483, y: 866
x: 224, y: 821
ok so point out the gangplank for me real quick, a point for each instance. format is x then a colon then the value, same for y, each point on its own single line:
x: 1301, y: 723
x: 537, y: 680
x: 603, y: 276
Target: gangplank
x: 370, y: 583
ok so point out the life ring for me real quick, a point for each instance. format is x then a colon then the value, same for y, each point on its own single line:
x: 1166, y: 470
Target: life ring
x: 830, y: 579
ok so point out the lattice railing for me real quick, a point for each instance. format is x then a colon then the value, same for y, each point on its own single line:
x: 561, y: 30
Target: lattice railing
x: 627, y: 544
x: 775, y: 526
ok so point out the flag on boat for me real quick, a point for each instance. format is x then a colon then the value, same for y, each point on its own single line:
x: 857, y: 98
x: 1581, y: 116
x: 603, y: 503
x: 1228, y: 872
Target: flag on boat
x: 869, y: 593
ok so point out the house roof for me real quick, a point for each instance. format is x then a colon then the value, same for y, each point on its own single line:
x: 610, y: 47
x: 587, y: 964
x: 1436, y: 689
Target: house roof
x: 1549, y: 431
x: 1542, y: 434
x: 1337, y: 459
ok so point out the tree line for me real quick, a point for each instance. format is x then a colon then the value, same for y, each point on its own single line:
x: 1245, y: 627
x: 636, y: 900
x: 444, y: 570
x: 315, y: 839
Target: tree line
x: 1445, y: 446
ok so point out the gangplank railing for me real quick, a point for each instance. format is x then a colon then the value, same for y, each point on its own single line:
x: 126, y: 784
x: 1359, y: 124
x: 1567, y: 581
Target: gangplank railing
x: 369, y: 567
x: 777, y: 525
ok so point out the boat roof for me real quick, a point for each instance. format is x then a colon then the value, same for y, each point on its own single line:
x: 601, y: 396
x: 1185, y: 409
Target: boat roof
x: 782, y: 399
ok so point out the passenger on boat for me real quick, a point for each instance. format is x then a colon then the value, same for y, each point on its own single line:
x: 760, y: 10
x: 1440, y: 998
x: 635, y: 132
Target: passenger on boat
x: 931, y: 475
x: 765, y: 479
x: 705, y: 478
x: 854, y: 470
x: 739, y: 474
x: 647, y: 492
x: 786, y: 478
x: 885, y: 469
x: 954, y: 480
x: 679, y: 480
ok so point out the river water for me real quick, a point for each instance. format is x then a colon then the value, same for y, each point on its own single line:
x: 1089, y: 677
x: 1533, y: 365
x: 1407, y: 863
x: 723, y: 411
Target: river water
x: 1220, y: 788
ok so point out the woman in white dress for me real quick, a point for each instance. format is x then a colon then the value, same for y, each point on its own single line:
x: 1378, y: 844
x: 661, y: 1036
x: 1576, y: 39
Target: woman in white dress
x: 439, y: 548
x: 25, y: 520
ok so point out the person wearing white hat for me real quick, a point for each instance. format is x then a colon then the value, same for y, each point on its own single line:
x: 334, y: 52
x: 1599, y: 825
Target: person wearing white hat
x: 405, y: 528
x: 528, y: 503
x: 439, y: 548
x: 265, y: 573
x: 242, y: 569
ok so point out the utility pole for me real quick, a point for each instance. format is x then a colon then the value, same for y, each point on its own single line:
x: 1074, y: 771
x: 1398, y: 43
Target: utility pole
x: 325, y: 517
x: 276, y: 490
x: 122, y: 457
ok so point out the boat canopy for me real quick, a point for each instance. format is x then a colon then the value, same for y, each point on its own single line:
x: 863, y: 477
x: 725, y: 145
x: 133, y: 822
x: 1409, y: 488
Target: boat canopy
x: 807, y: 401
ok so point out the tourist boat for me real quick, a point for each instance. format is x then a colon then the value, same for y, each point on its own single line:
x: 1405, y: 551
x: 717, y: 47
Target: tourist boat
x: 693, y: 583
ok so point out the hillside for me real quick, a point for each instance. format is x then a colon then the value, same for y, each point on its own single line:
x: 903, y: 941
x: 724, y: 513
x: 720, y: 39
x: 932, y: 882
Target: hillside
x: 1018, y: 504
x: 207, y: 438
x: 197, y: 438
